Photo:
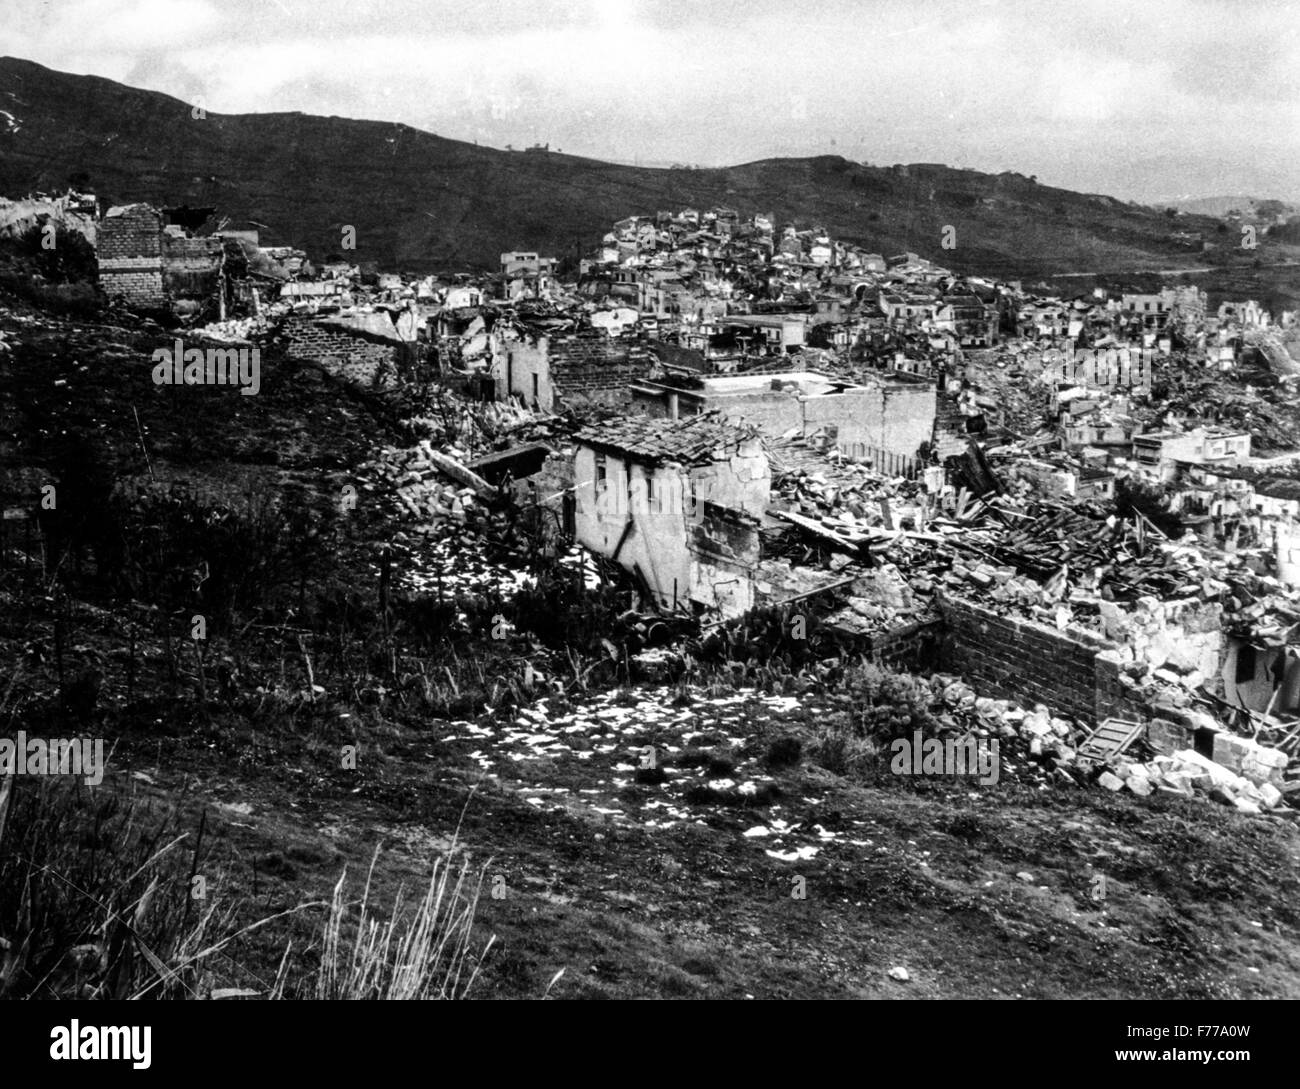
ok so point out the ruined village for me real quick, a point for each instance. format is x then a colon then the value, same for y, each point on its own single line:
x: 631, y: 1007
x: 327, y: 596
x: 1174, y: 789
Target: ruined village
x: 720, y: 608
x: 747, y: 417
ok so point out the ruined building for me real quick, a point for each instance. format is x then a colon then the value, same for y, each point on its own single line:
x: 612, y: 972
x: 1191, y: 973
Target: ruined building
x: 149, y: 258
x: 678, y: 504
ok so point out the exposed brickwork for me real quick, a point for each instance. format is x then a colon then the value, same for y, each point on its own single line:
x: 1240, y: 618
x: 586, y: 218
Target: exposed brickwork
x: 1008, y: 658
x: 346, y: 355
x: 596, y: 368
x: 141, y: 264
x: 129, y: 250
x: 134, y: 232
x: 913, y: 648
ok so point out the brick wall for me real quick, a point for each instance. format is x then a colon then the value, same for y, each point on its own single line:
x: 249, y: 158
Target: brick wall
x: 348, y: 356
x: 144, y: 266
x: 912, y: 648
x: 137, y: 232
x: 129, y: 252
x: 1008, y: 658
x: 595, y: 368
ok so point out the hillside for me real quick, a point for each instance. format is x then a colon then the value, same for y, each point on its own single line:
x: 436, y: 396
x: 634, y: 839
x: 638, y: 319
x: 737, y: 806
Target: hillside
x: 419, y: 201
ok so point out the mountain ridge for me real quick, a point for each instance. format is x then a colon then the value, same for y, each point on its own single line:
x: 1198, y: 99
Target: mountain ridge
x: 419, y: 201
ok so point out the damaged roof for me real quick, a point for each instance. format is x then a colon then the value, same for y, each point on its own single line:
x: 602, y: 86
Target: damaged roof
x: 692, y: 441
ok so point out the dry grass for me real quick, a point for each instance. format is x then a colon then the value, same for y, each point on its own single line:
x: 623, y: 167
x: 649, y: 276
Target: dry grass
x: 96, y: 900
x: 419, y: 952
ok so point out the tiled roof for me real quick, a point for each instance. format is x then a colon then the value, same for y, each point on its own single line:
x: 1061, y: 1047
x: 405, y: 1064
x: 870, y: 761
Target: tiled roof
x: 691, y: 441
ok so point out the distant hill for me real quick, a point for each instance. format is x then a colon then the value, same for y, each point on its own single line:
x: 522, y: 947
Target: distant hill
x: 1248, y: 207
x: 420, y: 201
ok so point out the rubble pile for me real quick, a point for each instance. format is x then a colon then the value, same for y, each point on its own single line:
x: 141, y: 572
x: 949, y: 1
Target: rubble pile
x: 235, y: 330
x: 811, y: 482
x: 1269, y: 414
x: 1048, y: 537
x: 881, y: 600
x: 1189, y: 773
x: 1037, y: 747
x: 416, y: 484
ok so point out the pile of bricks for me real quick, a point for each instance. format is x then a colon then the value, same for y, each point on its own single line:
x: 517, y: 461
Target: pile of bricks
x: 416, y: 484
x: 1191, y: 773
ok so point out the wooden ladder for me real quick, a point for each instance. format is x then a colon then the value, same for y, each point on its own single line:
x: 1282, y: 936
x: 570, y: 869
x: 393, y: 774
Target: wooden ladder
x: 1109, y: 739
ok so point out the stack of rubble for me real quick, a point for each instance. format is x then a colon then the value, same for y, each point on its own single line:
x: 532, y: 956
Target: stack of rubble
x: 1189, y: 773
x: 1243, y: 773
x: 427, y: 485
x: 235, y: 330
x: 879, y: 601
x: 1035, y: 746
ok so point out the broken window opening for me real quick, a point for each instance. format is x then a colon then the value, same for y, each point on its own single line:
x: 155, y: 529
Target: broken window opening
x: 1245, y: 664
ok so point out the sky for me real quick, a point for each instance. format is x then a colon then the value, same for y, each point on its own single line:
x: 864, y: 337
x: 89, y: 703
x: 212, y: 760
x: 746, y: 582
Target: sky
x: 1144, y: 101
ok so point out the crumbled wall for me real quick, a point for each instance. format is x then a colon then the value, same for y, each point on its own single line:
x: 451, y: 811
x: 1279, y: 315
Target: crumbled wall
x: 517, y: 364
x: 192, y: 266
x: 877, y: 417
x: 569, y: 370
x: 143, y: 265
x: 1073, y: 673
x: 352, y: 358
x: 1183, y: 636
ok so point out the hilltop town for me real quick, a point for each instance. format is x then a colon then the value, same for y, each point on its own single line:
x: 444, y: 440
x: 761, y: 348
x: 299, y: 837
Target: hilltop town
x: 678, y: 534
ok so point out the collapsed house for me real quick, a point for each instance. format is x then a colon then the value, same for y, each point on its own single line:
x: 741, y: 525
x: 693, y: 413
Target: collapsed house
x: 150, y: 258
x: 882, y: 414
x: 678, y: 503
x: 551, y: 372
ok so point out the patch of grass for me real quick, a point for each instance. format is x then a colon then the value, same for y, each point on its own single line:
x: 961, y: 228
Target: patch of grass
x: 96, y: 899
x: 420, y: 952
